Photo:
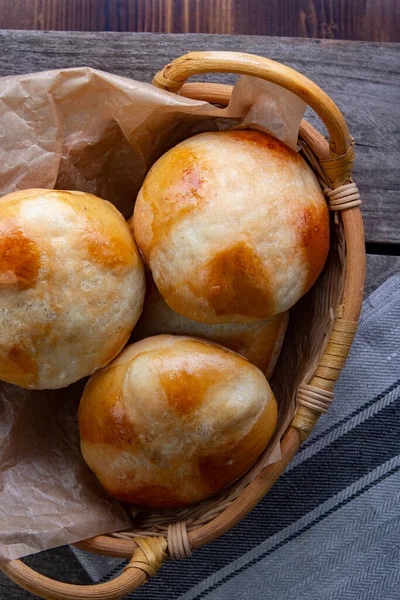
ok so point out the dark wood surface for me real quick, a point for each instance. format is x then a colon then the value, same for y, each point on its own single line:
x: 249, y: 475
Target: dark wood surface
x: 362, y: 78
x: 368, y: 20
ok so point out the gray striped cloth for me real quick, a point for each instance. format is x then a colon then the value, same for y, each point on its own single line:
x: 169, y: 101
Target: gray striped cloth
x: 330, y: 527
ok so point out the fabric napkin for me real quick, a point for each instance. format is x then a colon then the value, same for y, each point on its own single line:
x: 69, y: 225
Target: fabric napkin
x: 330, y: 527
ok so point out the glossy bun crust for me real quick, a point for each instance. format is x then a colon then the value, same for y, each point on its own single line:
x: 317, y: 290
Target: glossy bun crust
x: 259, y: 342
x: 174, y: 420
x: 233, y: 226
x: 71, y: 286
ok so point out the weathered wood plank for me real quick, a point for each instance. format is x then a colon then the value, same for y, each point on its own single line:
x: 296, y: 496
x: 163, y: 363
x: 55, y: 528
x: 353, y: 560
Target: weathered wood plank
x: 335, y: 19
x: 379, y: 268
x: 363, y: 78
x: 331, y: 19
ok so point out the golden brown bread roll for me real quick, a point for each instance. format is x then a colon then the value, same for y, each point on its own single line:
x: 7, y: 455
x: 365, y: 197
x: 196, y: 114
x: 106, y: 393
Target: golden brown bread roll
x: 259, y: 342
x: 233, y: 226
x: 71, y: 286
x: 172, y: 420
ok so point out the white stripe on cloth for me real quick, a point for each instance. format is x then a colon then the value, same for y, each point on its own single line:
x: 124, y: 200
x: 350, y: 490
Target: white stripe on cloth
x: 319, y: 444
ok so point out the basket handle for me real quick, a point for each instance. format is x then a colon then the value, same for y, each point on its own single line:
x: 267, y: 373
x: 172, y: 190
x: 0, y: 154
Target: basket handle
x: 146, y: 560
x: 341, y: 155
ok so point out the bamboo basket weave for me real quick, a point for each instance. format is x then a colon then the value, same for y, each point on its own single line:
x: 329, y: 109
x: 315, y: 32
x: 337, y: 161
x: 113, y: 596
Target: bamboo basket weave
x: 322, y: 328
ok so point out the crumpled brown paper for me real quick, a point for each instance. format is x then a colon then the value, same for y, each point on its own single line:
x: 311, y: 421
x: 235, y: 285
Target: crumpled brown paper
x: 81, y: 129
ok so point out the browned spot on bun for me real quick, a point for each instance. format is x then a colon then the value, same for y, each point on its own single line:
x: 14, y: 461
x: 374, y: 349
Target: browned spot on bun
x: 180, y: 187
x: 313, y: 229
x: 157, y: 496
x: 184, y: 390
x: 109, y: 249
x: 108, y: 236
x: 260, y: 346
x: 229, y: 462
x: 102, y: 416
x: 22, y: 359
x: 19, y: 258
x: 235, y: 282
x: 247, y: 344
x: 185, y: 387
x: 262, y: 144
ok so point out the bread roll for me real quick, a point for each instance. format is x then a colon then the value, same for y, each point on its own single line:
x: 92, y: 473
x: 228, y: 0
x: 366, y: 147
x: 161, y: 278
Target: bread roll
x: 233, y: 226
x: 71, y: 286
x: 173, y: 420
x: 259, y: 342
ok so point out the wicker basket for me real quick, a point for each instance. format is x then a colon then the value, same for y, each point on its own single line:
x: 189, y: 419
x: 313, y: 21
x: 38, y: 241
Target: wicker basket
x: 323, y: 324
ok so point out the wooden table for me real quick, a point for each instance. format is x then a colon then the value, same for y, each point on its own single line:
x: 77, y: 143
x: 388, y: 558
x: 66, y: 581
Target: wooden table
x: 375, y: 21
x: 362, y: 78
